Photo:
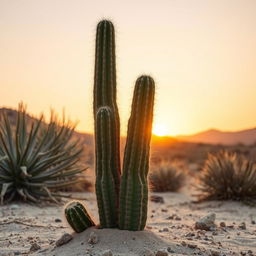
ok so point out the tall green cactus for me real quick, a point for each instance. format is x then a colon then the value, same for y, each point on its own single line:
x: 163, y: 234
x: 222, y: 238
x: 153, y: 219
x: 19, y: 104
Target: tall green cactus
x: 127, y: 209
x: 105, y: 182
x: 134, y: 185
x: 105, y: 95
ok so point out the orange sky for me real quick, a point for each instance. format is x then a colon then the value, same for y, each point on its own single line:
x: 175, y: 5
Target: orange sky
x: 202, y: 54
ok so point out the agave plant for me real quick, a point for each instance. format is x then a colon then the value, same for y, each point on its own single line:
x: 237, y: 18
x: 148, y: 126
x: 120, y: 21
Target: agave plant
x: 36, y: 158
x: 166, y: 177
x: 228, y: 176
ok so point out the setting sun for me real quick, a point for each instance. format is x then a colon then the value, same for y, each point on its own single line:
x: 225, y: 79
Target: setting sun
x: 160, y: 130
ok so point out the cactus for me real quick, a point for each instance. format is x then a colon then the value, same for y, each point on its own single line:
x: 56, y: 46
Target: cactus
x: 134, y: 185
x: 105, y: 183
x: 105, y: 95
x: 127, y: 209
x: 77, y: 217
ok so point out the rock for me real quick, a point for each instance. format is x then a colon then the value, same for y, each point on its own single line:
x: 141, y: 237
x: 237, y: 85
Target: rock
x: 157, y: 199
x: 58, y: 220
x: 161, y: 253
x: 242, y: 225
x: 215, y: 253
x: 148, y: 252
x: 165, y: 229
x: 215, y: 233
x: 170, y: 250
x: 253, y: 222
x: 192, y: 246
x: 222, y: 224
x: 107, y: 253
x: 207, y: 222
x: 183, y: 243
x: 34, y: 247
x: 14, y: 207
x: 93, y: 238
x: 65, y: 238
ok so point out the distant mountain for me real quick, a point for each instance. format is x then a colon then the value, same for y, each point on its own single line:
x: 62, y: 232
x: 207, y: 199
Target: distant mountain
x: 214, y: 136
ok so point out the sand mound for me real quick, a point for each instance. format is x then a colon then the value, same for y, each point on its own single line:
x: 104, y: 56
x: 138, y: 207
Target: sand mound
x: 120, y: 242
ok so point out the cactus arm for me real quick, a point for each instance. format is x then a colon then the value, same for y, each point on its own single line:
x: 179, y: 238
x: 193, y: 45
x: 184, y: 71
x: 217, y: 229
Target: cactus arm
x: 105, y: 184
x: 134, y: 186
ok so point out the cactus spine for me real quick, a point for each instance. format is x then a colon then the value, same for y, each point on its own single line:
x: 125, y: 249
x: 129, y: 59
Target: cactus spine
x: 134, y: 185
x: 77, y: 217
x: 105, y: 95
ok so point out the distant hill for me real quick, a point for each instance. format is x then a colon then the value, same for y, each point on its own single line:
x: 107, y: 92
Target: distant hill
x: 214, y: 136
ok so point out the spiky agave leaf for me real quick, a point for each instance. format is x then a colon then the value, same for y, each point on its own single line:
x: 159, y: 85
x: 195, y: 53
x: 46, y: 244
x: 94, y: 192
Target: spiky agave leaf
x: 37, y: 158
x: 228, y: 176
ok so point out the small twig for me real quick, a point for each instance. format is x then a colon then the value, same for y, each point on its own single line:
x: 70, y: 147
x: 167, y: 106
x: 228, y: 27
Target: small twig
x: 30, y: 225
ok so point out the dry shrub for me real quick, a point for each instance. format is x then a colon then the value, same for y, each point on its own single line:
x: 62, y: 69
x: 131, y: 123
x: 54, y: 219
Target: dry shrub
x: 167, y: 177
x: 228, y: 176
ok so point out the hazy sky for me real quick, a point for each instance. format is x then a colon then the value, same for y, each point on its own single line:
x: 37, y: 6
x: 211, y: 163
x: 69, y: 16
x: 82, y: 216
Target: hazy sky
x: 202, y: 54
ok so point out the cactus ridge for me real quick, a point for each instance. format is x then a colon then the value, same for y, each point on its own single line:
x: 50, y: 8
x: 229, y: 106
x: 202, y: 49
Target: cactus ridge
x: 134, y: 186
x: 77, y: 217
x: 105, y: 183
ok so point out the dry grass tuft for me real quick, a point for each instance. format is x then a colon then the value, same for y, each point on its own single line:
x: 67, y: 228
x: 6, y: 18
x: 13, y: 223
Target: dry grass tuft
x: 228, y: 176
x: 166, y: 177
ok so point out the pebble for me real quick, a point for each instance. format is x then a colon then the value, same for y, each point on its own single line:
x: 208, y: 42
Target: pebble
x: 242, y: 225
x: 183, y: 243
x: 223, y: 224
x: 206, y: 223
x: 253, y: 222
x: 170, y: 250
x: 58, y: 220
x: 14, y: 207
x: 107, y: 253
x: 165, y: 229
x: 161, y: 253
x: 192, y: 246
x: 34, y: 247
x: 93, y: 238
x: 157, y: 199
x: 65, y: 238
x: 215, y: 253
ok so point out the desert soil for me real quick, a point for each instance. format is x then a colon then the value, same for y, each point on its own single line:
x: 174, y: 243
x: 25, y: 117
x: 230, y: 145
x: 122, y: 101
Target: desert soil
x: 33, y: 230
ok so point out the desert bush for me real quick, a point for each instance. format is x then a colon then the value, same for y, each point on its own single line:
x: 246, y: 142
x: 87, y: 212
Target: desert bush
x: 166, y: 177
x: 37, y: 158
x: 228, y: 175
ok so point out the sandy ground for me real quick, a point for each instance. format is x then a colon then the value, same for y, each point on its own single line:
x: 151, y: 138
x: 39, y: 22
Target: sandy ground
x: 170, y: 228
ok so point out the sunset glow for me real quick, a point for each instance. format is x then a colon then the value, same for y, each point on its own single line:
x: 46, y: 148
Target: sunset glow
x: 160, y: 130
x: 200, y: 53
